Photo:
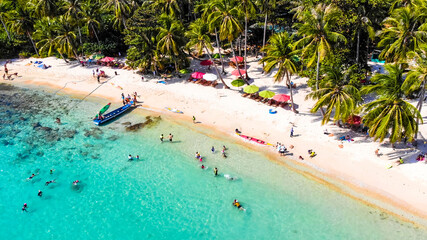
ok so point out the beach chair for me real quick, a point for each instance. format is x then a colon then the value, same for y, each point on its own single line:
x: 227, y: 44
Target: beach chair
x: 214, y: 83
x: 245, y: 94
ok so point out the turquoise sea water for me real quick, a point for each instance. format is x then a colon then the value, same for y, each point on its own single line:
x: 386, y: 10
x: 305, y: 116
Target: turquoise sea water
x: 165, y: 195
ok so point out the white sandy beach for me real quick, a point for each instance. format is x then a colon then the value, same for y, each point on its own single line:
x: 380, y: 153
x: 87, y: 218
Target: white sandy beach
x: 355, y: 164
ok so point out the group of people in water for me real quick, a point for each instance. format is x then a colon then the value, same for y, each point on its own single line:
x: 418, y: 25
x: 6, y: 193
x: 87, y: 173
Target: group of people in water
x: 170, y: 137
x: 130, y: 158
x: 40, y: 192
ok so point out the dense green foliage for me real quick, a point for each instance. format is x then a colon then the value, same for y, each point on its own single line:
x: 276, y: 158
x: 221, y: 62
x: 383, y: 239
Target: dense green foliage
x: 328, y: 41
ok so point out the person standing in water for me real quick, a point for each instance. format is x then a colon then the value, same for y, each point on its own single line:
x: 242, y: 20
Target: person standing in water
x: 24, y: 208
x: 40, y: 193
x: 170, y: 137
x: 161, y: 137
x: 216, y: 171
x: 213, y: 149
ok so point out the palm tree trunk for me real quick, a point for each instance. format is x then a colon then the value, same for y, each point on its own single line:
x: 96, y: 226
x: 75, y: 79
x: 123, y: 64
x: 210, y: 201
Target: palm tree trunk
x: 216, y: 69
x: 124, y: 23
x: 62, y: 56
x: 219, y: 51
x: 292, y: 96
x: 96, y: 35
x: 176, y: 66
x: 317, y: 70
x: 420, y: 103
x: 32, y: 42
x: 357, y: 47
x: 263, y: 38
x: 239, y: 45
x: 80, y: 35
x: 246, y: 43
x: 5, y: 28
x: 235, y: 59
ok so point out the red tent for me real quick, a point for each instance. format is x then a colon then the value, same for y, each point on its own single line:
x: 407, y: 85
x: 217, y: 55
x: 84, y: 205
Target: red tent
x: 236, y: 72
x: 281, y: 97
x: 239, y: 59
x: 206, y: 62
x: 107, y: 59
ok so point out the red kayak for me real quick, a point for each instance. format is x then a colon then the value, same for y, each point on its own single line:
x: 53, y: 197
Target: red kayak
x: 253, y: 139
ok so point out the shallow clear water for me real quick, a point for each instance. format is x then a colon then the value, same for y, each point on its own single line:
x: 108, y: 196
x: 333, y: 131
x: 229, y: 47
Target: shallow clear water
x: 165, y: 195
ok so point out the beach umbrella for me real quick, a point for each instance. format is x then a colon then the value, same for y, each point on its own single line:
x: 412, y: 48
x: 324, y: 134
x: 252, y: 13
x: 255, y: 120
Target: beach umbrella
x: 354, y: 120
x: 197, y: 75
x: 210, y: 77
x: 184, y: 71
x: 236, y: 72
x: 216, y: 55
x: 282, y: 97
x: 267, y: 94
x: 238, y: 82
x: 107, y: 59
x: 251, y: 89
x: 239, y: 59
x: 97, y: 56
x: 206, y: 63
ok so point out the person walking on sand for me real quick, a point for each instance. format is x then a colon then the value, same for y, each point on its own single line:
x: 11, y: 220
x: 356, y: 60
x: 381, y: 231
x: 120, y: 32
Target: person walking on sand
x: 170, y: 137
x: 292, y: 132
x: 98, y: 78
x: 194, y: 119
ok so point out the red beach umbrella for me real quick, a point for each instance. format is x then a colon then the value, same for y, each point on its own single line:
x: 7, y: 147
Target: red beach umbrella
x: 239, y: 59
x: 206, y: 62
x: 354, y: 120
x: 107, y: 59
x: 197, y: 75
x: 236, y: 72
x: 281, y: 97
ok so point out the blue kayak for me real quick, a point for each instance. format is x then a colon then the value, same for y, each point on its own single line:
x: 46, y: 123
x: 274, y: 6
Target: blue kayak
x: 113, y: 114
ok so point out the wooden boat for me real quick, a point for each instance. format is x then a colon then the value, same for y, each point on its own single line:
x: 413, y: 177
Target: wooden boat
x: 113, y: 114
x: 255, y: 140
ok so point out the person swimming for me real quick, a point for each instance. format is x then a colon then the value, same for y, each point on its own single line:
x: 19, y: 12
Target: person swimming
x: 32, y: 175
x: 24, y: 208
x: 137, y: 157
x: 238, y: 205
x: 75, y: 182
x: 203, y: 166
x: 216, y: 171
x: 197, y: 156
x: 201, y: 159
x: 130, y: 158
x: 51, y: 171
x: 228, y: 177
x: 40, y: 193
x: 49, y: 182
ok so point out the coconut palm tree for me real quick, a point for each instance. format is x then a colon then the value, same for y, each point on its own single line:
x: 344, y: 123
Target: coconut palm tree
x: 91, y: 12
x: 416, y: 81
x: 226, y: 15
x: 169, y: 7
x: 390, y: 114
x: 73, y: 11
x: 4, y: 8
x: 317, y: 34
x: 248, y: 9
x: 336, y: 94
x: 22, y: 22
x: 66, y: 37
x: 44, y: 8
x: 266, y: 7
x: 45, y: 34
x: 199, y: 40
x: 122, y: 11
x: 404, y: 31
x: 206, y: 9
x: 363, y: 23
x: 280, y: 55
x: 170, y: 38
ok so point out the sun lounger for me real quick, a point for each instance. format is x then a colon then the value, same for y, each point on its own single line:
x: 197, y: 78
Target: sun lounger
x: 214, y: 83
x: 276, y: 104
x: 259, y: 99
x: 245, y: 94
